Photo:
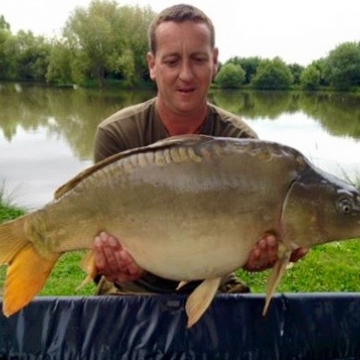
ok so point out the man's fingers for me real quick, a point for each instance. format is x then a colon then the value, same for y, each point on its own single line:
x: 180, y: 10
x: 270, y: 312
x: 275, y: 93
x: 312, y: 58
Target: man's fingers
x: 265, y: 254
x: 100, y: 259
x: 298, y: 254
x: 110, y: 247
x: 267, y: 249
x: 258, y: 258
x: 116, y: 264
x: 130, y: 270
x: 271, y: 252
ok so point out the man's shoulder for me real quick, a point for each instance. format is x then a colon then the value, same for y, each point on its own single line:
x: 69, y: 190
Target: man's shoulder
x: 225, y: 115
x: 126, y: 129
x: 230, y: 124
x: 134, y: 112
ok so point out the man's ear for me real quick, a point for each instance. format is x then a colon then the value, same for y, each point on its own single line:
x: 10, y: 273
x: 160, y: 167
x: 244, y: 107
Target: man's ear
x: 215, y: 60
x: 150, y: 57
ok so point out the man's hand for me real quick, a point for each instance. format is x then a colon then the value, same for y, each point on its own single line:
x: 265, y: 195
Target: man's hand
x: 112, y: 261
x: 264, y: 255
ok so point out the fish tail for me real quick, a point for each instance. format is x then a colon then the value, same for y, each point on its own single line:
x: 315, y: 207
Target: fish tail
x: 27, y: 269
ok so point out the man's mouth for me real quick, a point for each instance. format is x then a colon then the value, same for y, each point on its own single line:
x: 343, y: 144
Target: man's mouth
x: 187, y: 90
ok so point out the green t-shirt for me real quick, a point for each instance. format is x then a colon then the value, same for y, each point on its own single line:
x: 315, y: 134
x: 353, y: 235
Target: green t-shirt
x: 140, y: 125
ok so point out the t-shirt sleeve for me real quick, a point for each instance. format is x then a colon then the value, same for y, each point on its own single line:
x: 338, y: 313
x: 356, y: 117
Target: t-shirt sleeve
x: 229, y: 125
x: 123, y: 130
x: 106, y: 144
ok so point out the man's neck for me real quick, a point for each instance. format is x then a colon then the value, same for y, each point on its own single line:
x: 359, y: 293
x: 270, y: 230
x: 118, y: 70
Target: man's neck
x: 182, y: 124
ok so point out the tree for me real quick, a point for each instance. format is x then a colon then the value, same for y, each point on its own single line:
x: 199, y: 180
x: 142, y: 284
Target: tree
x: 59, y: 70
x: 296, y: 71
x: 136, y: 22
x: 320, y: 66
x: 4, y: 61
x: 90, y: 36
x: 30, y: 56
x: 250, y: 66
x: 230, y: 76
x: 310, y: 78
x: 272, y: 74
x: 4, y: 25
x: 106, y: 38
x: 5, y: 37
x: 343, y: 66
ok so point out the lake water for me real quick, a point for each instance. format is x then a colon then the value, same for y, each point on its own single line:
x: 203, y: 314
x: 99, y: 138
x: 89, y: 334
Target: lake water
x: 46, y: 134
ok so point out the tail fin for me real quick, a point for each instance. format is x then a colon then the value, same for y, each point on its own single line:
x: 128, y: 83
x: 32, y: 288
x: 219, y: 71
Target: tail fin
x: 27, y: 270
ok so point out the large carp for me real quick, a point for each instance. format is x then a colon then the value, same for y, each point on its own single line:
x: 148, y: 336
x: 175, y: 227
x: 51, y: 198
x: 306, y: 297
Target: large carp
x: 185, y: 208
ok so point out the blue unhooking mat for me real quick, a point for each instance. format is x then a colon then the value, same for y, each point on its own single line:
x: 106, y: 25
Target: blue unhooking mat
x: 301, y: 326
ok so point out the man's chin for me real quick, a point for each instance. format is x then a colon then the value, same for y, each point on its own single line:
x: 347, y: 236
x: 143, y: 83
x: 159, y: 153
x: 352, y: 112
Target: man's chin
x: 187, y: 105
x: 185, y: 109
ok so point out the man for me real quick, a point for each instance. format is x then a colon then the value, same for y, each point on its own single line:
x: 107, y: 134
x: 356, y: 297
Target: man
x: 182, y: 61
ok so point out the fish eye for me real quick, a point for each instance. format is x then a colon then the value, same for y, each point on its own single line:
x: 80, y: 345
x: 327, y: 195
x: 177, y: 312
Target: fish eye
x: 345, y: 206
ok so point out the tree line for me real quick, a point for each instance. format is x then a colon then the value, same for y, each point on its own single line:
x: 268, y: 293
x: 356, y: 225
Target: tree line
x: 102, y: 42
x: 106, y: 42
x: 340, y: 70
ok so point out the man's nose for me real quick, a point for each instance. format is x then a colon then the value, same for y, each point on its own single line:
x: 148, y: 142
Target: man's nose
x: 186, y: 72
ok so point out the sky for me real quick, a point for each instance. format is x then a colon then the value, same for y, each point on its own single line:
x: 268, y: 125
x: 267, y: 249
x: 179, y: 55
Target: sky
x: 297, y: 31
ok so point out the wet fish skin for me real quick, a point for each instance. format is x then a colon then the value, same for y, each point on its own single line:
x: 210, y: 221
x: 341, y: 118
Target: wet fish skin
x: 186, y: 208
x: 318, y: 208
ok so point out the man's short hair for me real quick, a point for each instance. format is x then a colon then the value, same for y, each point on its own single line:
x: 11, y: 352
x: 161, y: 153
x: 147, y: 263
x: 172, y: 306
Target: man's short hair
x: 179, y: 13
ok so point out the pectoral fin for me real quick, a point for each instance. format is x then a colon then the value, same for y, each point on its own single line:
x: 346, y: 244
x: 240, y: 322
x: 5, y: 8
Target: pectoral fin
x: 88, y: 265
x: 181, y: 284
x: 200, y: 299
x: 276, y: 275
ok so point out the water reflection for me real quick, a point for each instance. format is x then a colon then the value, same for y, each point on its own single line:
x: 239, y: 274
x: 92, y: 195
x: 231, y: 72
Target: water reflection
x: 47, y: 134
x: 338, y: 113
x: 71, y: 115
x: 336, y: 154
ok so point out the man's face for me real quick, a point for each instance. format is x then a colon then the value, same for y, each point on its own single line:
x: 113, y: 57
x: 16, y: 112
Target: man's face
x: 184, y: 65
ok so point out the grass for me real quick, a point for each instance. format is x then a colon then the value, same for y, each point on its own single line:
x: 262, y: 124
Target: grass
x: 332, y: 267
x: 67, y: 276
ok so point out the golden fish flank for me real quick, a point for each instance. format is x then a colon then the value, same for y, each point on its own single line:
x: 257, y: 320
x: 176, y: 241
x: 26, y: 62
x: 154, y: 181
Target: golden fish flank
x: 207, y: 199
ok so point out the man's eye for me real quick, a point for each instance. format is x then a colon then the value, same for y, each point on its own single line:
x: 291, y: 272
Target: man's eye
x: 171, y: 62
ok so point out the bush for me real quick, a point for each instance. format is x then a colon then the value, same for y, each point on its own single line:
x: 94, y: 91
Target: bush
x: 230, y: 76
x: 273, y: 74
x: 310, y: 78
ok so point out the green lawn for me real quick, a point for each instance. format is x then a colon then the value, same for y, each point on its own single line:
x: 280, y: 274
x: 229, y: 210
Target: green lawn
x: 332, y: 267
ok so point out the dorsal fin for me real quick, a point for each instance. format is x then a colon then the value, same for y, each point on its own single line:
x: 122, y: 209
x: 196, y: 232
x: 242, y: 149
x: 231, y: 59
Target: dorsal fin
x: 161, y: 144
